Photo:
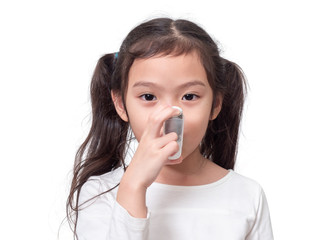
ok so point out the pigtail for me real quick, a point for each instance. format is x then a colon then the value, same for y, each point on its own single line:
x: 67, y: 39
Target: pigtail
x: 104, y: 148
x: 106, y: 140
x: 221, y: 140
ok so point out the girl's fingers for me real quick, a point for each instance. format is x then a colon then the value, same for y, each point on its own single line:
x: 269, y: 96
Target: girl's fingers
x: 157, y: 119
x: 170, y: 149
x: 164, y: 140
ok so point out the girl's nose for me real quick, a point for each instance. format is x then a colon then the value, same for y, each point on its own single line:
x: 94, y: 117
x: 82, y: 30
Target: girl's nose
x: 171, y: 102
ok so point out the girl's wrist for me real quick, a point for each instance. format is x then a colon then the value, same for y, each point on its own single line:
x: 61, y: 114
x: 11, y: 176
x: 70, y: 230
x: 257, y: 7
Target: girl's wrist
x: 133, y: 198
x: 132, y: 186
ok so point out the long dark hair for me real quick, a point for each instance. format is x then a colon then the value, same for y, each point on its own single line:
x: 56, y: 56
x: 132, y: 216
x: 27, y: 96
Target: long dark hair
x: 105, y: 147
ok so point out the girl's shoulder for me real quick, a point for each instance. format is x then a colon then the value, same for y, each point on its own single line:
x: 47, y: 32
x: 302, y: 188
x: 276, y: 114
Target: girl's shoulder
x: 113, y: 176
x: 108, y: 180
x: 244, y: 185
x: 244, y: 180
x: 96, y: 185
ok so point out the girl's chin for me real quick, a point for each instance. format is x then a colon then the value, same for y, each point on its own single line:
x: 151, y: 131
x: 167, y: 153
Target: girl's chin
x: 175, y: 161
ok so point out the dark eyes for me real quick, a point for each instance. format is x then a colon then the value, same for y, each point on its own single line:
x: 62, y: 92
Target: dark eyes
x: 187, y: 97
x: 148, y: 97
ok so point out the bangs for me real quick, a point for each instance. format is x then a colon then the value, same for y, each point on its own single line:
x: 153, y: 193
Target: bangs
x: 164, y: 45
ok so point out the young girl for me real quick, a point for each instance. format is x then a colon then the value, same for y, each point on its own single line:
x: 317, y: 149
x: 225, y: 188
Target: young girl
x: 164, y: 63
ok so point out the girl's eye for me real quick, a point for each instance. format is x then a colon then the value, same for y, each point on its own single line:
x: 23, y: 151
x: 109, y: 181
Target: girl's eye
x: 190, y: 97
x: 148, y: 97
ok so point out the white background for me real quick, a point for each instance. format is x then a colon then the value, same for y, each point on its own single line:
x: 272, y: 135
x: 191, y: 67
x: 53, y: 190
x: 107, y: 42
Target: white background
x: 48, y: 52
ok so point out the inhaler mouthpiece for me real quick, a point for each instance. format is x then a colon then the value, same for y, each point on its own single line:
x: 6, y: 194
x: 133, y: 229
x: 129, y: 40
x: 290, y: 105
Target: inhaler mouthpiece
x: 175, y: 124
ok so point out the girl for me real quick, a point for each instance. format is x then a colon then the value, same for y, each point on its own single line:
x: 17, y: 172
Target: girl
x: 164, y: 63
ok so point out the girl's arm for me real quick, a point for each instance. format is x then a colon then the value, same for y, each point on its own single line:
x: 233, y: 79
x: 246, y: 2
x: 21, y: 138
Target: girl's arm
x: 102, y: 218
x: 262, y: 228
x: 151, y: 155
x: 123, y: 214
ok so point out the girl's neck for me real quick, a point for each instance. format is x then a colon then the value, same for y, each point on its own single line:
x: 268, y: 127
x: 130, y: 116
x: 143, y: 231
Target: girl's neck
x: 194, y: 170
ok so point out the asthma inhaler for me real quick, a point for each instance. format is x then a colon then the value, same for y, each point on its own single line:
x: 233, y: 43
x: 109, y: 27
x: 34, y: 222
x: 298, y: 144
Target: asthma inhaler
x: 175, y: 124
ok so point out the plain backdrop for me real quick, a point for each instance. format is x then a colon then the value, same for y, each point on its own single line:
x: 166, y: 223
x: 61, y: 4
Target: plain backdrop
x: 48, y: 52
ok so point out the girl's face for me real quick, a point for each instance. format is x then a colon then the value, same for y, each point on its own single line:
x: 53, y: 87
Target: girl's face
x: 174, y: 81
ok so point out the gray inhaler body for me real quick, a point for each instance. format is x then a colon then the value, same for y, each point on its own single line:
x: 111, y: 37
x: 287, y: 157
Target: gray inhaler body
x: 175, y: 124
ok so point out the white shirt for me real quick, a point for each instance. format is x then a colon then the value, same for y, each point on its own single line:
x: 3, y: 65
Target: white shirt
x: 232, y: 208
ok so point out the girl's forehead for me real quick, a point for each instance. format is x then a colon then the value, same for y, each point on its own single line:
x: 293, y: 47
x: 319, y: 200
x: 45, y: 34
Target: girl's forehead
x: 167, y: 62
x: 169, y: 69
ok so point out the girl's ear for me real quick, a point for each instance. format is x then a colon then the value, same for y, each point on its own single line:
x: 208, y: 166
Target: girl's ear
x: 118, y: 103
x: 217, y: 106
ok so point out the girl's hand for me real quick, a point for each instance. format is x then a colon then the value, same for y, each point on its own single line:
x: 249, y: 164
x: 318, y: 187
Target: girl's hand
x: 154, y: 148
x: 151, y: 155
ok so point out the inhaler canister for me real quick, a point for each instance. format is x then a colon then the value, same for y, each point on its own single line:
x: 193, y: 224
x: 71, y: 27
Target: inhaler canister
x: 175, y: 124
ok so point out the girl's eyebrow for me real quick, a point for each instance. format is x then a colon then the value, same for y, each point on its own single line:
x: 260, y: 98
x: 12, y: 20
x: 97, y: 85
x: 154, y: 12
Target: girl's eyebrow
x: 185, y: 85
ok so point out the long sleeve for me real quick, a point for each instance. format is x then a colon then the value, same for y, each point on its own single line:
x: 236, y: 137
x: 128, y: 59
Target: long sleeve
x: 102, y: 218
x: 233, y: 207
x: 261, y: 229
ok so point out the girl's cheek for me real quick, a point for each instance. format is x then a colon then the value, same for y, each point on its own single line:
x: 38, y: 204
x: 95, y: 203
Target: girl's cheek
x: 137, y: 127
x: 195, y: 127
x: 189, y: 128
